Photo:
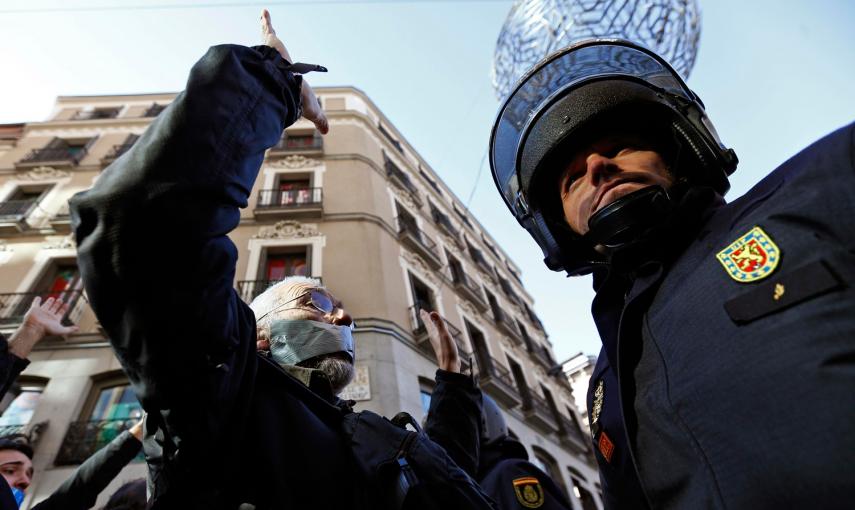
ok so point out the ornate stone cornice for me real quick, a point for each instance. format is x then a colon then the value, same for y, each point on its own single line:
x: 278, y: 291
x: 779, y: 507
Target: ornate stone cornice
x: 422, y: 266
x: 295, y: 161
x: 404, y: 197
x: 287, y: 229
x: 43, y: 173
x: 59, y: 244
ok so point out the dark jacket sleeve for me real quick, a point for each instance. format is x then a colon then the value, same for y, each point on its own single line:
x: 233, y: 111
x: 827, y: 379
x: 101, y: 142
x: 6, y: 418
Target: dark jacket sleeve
x: 454, y: 418
x: 10, y: 366
x: 153, y: 250
x: 82, y: 489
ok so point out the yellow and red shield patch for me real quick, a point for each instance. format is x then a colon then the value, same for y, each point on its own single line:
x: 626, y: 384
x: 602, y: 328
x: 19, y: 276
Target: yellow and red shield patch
x: 752, y: 257
x: 529, y: 492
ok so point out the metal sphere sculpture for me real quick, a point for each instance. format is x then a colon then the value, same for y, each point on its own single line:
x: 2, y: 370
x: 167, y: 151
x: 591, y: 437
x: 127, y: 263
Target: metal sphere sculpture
x: 536, y: 28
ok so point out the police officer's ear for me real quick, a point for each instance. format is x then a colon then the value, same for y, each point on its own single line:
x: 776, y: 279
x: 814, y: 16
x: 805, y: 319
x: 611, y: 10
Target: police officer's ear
x: 262, y: 338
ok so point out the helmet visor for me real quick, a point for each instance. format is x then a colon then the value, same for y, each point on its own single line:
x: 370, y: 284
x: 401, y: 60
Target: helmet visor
x: 555, y: 76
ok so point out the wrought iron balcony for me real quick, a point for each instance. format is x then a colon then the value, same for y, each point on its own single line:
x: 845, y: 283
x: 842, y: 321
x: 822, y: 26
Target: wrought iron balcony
x: 96, y: 113
x: 422, y: 339
x: 31, y: 432
x: 86, y: 437
x: 507, y: 325
x: 154, y: 110
x: 298, y: 144
x: 538, y: 412
x: 13, y: 214
x: 14, y: 305
x: 444, y: 222
x: 417, y: 241
x: 300, y: 202
x: 543, y: 356
x: 250, y: 289
x: 498, y: 381
x: 116, y: 151
x: 52, y: 156
x: 470, y: 290
x: 402, y: 180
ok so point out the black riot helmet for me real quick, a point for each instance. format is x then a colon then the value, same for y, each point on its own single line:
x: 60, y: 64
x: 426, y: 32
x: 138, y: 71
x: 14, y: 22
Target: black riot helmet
x: 494, y: 429
x: 595, y: 85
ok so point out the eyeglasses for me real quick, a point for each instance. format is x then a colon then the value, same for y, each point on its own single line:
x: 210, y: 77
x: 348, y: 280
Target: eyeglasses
x: 317, y: 299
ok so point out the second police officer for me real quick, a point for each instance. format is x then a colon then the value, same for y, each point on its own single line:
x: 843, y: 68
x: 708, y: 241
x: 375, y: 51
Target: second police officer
x: 728, y: 360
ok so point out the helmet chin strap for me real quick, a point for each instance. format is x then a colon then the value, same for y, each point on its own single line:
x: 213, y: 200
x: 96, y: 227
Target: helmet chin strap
x: 626, y: 219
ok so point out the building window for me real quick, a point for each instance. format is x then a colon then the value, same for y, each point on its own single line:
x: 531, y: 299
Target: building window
x: 508, y: 290
x: 464, y: 217
x: 112, y: 408
x: 490, y: 247
x: 21, y: 202
x: 154, y: 110
x: 457, y: 274
x: 442, y: 219
x: 61, y: 280
x: 279, y: 265
x: 426, y: 387
x: 527, y: 339
x: 22, y: 402
x: 579, y: 491
x: 90, y: 113
x: 430, y: 181
x: 498, y: 314
x: 519, y: 378
x: 294, y: 190
x: 479, y: 343
x: 548, y: 465
x: 478, y: 257
x: 116, y: 403
x: 395, y: 143
x: 59, y: 151
x: 422, y: 294
x: 407, y: 222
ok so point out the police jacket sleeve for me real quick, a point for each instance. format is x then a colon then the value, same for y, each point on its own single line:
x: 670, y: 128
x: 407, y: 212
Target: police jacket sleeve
x: 10, y: 366
x: 82, y: 489
x: 153, y: 250
x: 454, y: 418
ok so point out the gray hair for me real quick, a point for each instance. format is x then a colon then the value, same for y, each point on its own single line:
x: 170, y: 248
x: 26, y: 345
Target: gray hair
x: 279, y: 293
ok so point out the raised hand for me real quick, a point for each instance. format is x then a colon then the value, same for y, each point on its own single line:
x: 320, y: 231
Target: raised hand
x: 312, y: 110
x: 443, y: 344
x: 41, y: 319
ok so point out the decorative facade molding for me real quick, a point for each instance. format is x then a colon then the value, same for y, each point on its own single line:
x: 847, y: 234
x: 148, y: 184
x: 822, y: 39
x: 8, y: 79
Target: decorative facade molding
x: 60, y: 244
x: 423, y: 268
x: 295, y: 161
x: 287, y: 229
x: 471, y: 312
x: 487, y: 277
x: 44, y: 173
x: 404, y: 197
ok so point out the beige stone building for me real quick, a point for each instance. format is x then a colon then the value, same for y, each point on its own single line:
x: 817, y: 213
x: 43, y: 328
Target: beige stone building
x: 358, y: 208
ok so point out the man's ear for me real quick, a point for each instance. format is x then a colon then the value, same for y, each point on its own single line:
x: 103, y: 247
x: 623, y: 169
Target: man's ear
x: 262, y: 338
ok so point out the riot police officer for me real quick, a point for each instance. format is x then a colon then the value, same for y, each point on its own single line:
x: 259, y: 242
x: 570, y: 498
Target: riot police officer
x: 727, y: 328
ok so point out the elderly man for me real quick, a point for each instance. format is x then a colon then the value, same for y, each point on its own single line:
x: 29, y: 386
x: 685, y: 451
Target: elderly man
x: 229, y: 427
x: 728, y: 362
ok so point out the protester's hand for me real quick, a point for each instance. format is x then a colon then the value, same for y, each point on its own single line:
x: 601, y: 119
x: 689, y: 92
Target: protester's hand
x: 312, y: 110
x: 443, y: 344
x: 137, y: 429
x: 41, y: 319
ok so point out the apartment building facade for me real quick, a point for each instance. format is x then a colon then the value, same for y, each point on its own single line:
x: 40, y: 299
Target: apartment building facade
x: 358, y: 208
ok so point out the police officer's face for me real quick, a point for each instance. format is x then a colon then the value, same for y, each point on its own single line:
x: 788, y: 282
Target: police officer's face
x: 16, y: 468
x: 604, y: 171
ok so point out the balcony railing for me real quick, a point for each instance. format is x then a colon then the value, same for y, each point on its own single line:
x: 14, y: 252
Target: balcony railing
x: 469, y: 289
x: 116, y: 151
x: 296, y: 202
x: 401, y: 179
x: 417, y: 241
x: 537, y: 411
x: 29, y: 432
x: 507, y: 324
x: 498, y: 381
x: 15, y: 211
x: 423, y: 341
x: 443, y: 221
x: 54, y: 156
x: 543, y: 356
x: 13, y: 306
x: 97, y: 113
x: 294, y: 144
x: 86, y: 437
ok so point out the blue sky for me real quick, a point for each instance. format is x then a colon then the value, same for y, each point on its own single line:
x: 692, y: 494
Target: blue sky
x: 774, y: 75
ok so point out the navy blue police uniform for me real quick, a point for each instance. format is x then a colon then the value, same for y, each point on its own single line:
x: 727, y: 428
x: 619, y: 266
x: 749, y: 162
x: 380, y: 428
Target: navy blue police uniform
x: 726, y: 374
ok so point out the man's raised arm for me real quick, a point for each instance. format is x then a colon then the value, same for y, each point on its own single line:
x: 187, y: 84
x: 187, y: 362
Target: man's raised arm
x: 151, y: 233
